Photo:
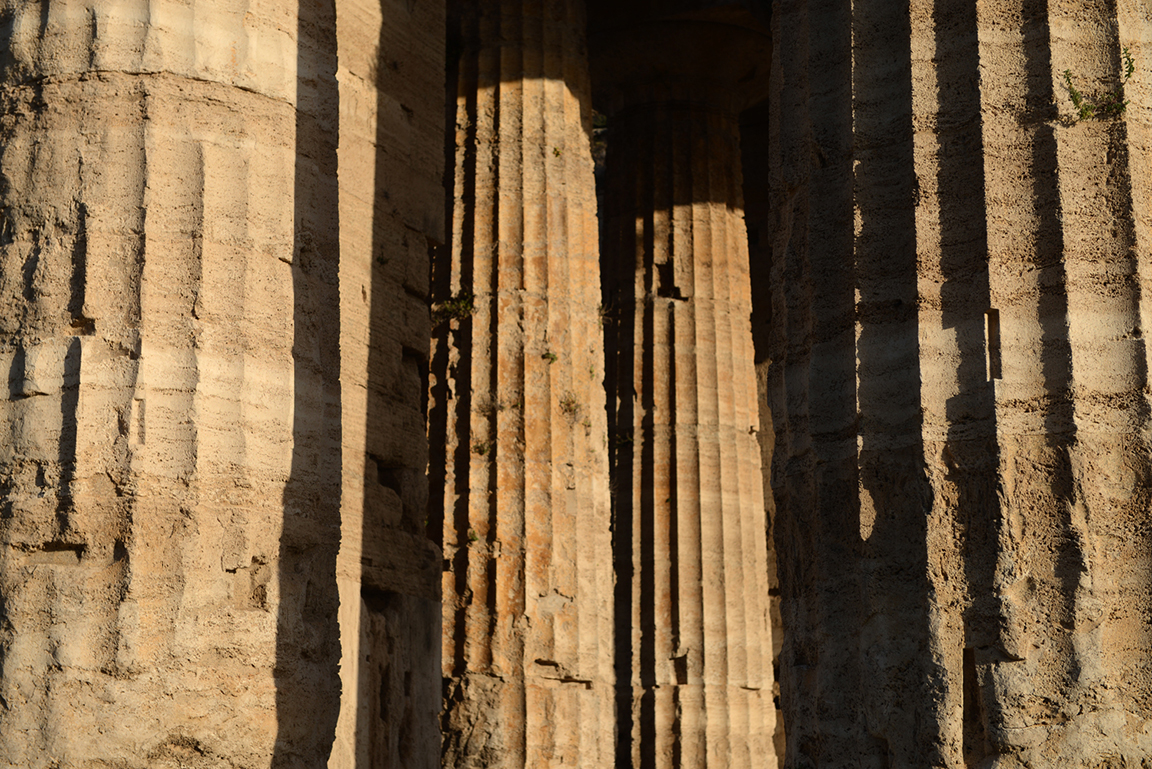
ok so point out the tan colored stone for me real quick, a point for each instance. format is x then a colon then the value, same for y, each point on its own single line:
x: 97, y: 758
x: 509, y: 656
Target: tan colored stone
x: 157, y: 608
x: 215, y: 228
x: 518, y: 425
x: 992, y: 278
x: 391, y: 156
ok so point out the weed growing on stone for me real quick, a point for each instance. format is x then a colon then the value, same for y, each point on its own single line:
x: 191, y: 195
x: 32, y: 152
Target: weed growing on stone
x: 458, y: 307
x: 481, y: 448
x: 622, y: 439
x: 1110, y: 105
x: 569, y: 405
x: 605, y: 313
x: 550, y: 356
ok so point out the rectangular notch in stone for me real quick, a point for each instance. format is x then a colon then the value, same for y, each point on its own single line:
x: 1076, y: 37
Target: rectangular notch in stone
x: 56, y: 554
x: 136, y: 423
x: 992, y: 343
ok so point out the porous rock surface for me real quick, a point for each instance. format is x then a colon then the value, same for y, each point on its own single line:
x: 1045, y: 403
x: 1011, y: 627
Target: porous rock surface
x: 689, y: 528
x: 187, y: 448
x: 147, y: 307
x: 391, y: 211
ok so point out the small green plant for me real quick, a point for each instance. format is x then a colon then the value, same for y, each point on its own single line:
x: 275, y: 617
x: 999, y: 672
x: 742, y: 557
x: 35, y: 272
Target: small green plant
x: 481, y: 448
x: 569, y: 405
x: 458, y: 307
x: 473, y: 536
x: 1110, y: 105
x: 557, y: 152
x: 550, y: 356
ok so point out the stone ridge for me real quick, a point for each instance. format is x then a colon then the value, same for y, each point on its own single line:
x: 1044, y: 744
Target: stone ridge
x: 518, y: 417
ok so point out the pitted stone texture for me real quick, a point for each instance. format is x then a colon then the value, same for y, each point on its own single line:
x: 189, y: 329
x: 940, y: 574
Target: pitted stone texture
x: 391, y: 159
x: 982, y: 425
x: 147, y: 323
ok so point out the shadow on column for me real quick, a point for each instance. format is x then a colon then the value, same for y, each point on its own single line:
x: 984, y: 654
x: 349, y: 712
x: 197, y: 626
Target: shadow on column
x: 1045, y: 463
x: 901, y: 722
x: 617, y: 254
x: 398, y: 684
x: 452, y: 408
x: 808, y: 345
x: 307, y: 641
x: 971, y: 452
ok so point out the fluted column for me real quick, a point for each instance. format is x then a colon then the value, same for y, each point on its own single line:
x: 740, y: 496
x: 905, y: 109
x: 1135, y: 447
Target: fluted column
x: 517, y: 415
x: 160, y: 388
x: 692, y: 592
x: 1000, y: 274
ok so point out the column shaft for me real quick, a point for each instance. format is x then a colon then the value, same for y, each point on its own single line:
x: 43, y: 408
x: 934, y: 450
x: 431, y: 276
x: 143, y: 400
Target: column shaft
x: 392, y: 198
x: 692, y: 593
x: 518, y: 416
x: 1000, y: 276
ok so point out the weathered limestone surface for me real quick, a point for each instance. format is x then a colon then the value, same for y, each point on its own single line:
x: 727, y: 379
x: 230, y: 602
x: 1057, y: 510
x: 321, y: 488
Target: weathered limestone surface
x: 964, y: 555
x: 391, y: 158
x: 518, y: 424
x: 694, y: 649
x: 168, y: 411
x: 807, y: 339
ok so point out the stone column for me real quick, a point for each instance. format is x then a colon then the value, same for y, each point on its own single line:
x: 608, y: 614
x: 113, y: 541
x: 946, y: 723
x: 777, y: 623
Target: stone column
x: 167, y: 402
x: 518, y: 425
x: 693, y: 641
x: 1068, y: 255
